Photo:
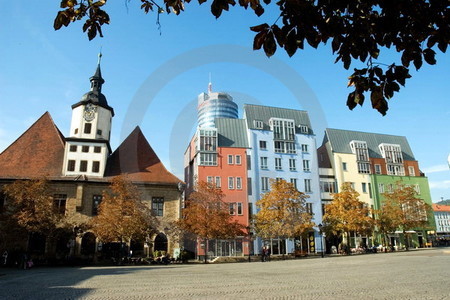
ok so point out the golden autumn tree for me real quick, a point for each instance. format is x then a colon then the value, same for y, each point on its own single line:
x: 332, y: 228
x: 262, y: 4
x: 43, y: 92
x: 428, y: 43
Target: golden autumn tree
x: 122, y: 215
x: 412, y: 211
x: 30, y: 206
x: 207, y: 216
x: 282, y: 212
x: 388, y: 218
x: 346, y: 213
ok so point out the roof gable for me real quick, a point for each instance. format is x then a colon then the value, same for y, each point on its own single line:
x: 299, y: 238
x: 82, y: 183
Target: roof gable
x: 265, y: 113
x: 136, y: 158
x: 340, y: 142
x: 231, y: 133
x: 38, y: 152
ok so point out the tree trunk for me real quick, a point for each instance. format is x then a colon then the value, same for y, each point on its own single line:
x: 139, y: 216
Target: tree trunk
x: 206, y: 251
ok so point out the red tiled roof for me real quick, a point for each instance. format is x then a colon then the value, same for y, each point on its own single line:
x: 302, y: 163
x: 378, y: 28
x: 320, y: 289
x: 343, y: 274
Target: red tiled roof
x: 38, y: 152
x: 437, y: 207
x: 136, y: 158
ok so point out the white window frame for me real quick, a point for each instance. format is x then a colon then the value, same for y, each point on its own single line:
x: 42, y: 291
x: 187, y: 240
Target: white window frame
x: 278, y: 164
x: 231, y: 183
x: 264, y: 184
x: 263, y: 145
x: 377, y: 168
x: 239, y: 183
x: 308, y: 186
x: 305, y: 148
x: 237, y: 160
x: 411, y: 171
x: 264, y: 160
x: 292, y: 166
x: 230, y: 159
x: 306, y: 165
x: 218, y: 181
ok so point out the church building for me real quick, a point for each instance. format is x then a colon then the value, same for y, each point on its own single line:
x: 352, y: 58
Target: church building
x: 80, y: 167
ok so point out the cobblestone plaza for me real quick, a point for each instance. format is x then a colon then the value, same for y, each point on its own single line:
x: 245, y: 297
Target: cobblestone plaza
x: 420, y: 274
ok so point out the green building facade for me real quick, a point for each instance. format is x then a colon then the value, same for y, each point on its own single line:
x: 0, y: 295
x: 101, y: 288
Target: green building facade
x: 419, y: 237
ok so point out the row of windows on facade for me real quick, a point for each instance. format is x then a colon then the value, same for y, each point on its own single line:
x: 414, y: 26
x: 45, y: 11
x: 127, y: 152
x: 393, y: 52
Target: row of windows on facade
x: 85, y: 149
x: 445, y: 215
x: 389, y: 188
x: 83, y: 166
x: 282, y: 128
x: 59, y: 203
x: 392, y: 153
x: 331, y: 187
x: 88, y: 129
x: 233, y: 182
x: 265, y: 184
x: 279, y: 165
x: 283, y: 147
x: 364, y: 168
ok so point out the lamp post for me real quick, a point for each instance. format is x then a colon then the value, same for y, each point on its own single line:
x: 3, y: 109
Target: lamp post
x: 321, y: 238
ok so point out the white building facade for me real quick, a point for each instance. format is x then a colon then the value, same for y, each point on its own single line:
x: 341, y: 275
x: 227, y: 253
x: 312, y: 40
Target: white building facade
x: 283, y: 145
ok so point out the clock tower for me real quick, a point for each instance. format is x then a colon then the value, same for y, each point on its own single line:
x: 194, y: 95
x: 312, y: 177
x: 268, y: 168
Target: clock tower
x: 87, y: 147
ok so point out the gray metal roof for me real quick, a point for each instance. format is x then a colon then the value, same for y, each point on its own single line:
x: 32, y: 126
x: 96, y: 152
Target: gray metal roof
x: 340, y: 142
x: 231, y: 133
x: 264, y: 113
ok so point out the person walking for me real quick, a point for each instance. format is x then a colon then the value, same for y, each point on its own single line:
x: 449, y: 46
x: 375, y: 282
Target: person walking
x: 5, y: 257
x: 263, y: 253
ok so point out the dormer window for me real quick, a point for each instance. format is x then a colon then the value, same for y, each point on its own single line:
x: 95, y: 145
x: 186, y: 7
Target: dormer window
x: 283, y: 129
x: 258, y: 124
x: 392, y: 154
x: 303, y: 129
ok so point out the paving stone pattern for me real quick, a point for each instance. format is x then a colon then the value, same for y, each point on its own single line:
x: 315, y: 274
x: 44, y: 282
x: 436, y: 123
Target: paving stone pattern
x: 423, y: 274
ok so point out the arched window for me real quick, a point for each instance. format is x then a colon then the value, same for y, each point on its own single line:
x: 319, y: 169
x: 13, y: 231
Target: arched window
x: 161, y: 242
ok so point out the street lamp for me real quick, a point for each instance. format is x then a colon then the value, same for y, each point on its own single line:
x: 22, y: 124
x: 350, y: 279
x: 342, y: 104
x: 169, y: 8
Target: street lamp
x: 321, y: 238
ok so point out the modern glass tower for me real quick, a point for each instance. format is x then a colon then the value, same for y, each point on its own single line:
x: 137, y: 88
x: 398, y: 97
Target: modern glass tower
x: 215, y: 105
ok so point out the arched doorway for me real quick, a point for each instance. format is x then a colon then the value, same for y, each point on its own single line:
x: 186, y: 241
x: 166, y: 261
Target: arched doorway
x: 88, y: 244
x: 160, y: 242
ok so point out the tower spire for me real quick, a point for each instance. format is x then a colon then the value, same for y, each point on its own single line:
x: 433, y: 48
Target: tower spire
x: 97, y: 80
x: 209, y: 84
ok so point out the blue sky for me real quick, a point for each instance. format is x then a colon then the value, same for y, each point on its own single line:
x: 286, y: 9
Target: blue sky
x: 153, y: 79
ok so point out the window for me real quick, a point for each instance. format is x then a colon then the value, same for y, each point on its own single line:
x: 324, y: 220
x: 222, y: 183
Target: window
x: 83, y: 166
x: 377, y: 169
x: 87, y: 128
x: 328, y: 186
x: 292, y: 165
x: 237, y: 159
x: 395, y: 169
x: 370, y: 190
x: 344, y: 166
x: 96, y: 200
x: 309, y: 208
x: 97, y: 149
x: 307, y: 185
x: 239, y: 183
x: 95, y: 166
x: 59, y: 203
x: 240, y: 210
x: 263, y: 145
x: 85, y: 149
x: 208, y: 140
x: 249, y: 186
x: 363, y: 168
x: 158, y: 206
x: 306, y: 165
x: 294, y: 182
x: 390, y: 188
x: 304, y: 148
x: 208, y: 159
x: 417, y: 189
x: 230, y: 159
x: 209, y: 179
x: 75, y: 131
x: 258, y: 124
x: 284, y: 147
x: 99, y: 131
x: 264, y: 183
x: 249, y: 162
x: 263, y: 162
x: 360, y: 149
x: 411, y: 171
x: 278, y: 179
x: 303, y: 129
x: 218, y: 181
x: 71, y: 165
x: 73, y: 148
x: 283, y: 129
x: 278, y: 163
x: 231, y: 183
x: 381, y: 188
x: 364, y: 187
x: 231, y: 207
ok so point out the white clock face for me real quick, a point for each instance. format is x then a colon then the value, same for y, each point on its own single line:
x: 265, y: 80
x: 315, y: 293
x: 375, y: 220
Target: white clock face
x: 89, y: 112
